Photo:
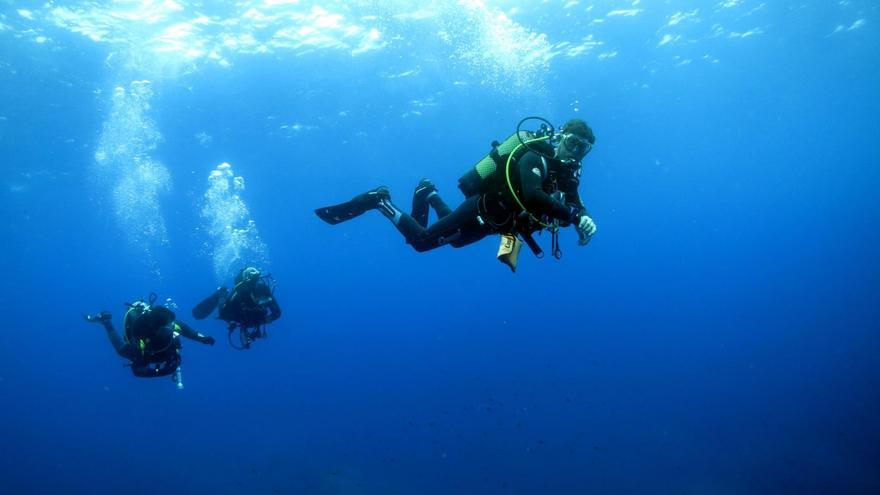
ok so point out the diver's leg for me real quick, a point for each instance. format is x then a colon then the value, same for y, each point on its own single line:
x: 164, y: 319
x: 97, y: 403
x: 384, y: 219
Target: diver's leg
x: 420, y: 202
x: 206, y: 307
x: 445, y: 230
x: 458, y: 227
x: 122, y: 348
x: 440, y: 206
x: 425, y: 195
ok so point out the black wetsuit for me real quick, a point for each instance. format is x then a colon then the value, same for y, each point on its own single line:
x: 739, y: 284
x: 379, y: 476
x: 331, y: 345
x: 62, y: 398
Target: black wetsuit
x: 161, y: 357
x: 241, y: 307
x: 495, y: 211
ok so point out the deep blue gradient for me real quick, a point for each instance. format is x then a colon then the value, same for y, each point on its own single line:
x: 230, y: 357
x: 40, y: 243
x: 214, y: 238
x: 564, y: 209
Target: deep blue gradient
x: 719, y: 334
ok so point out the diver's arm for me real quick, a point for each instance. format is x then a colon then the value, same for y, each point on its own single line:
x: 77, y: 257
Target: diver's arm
x: 274, y: 310
x: 538, y: 202
x: 229, y: 309
x: 572, y: 195
x: 192, y: 334
x: 581, y: 220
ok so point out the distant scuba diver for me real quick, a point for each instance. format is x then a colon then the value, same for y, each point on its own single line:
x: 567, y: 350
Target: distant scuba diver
x: 150, y: 338
x: 527, y: 183
x: 248, y: 308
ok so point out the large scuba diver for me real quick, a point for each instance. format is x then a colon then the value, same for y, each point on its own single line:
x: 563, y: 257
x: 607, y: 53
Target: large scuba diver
x: 150, y: 338
x: 527, y: 183
x: 248, y: 308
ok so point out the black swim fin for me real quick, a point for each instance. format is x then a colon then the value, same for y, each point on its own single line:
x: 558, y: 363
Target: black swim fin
x: 206, y: 307
x: 361, y: 203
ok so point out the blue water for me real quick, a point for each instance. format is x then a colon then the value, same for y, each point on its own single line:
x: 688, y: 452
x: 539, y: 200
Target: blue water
x: 718, y: 335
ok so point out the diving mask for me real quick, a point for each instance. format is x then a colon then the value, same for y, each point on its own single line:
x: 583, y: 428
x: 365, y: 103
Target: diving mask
x: 577, y: 146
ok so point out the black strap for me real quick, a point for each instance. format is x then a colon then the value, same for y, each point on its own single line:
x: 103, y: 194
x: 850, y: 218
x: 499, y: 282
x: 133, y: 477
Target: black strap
x: 533, y: 246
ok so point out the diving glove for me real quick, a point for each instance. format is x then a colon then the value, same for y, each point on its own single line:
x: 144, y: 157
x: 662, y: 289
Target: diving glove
x: 98, y: 318
x: 586, y: 228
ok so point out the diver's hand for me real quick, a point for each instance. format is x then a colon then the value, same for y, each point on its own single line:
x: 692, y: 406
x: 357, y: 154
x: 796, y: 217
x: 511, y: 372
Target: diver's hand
x: 586, y: 228
x: 98, y: 318
x: 208, y: 340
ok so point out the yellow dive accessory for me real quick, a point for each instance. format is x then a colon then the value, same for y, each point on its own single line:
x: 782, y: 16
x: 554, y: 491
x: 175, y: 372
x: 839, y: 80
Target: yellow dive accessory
x: 508, y: 251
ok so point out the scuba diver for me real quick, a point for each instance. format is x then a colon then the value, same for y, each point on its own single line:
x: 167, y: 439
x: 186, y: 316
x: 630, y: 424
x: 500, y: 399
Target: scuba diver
x: 150, y: 338
x: 248, y: 308
x: 526, y: 184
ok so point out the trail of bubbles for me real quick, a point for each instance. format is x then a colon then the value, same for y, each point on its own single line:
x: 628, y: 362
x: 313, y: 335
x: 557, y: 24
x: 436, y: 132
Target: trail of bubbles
x: 236, y: 241
x: 509, y: 57
x: 124, y: 165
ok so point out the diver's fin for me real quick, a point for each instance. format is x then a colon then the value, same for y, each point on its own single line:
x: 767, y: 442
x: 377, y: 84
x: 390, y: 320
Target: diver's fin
x: 339, y: 213
x: 361, y: 203
x: 206, y: 307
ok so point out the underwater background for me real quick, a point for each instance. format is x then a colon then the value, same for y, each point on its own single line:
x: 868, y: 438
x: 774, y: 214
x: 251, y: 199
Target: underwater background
x: 718, y: 335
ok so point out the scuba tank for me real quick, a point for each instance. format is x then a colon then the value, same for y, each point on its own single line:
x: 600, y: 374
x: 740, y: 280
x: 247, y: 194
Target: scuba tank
x: 479, y: 177
x: 136, y: 310
x: 483, y: 177
x: 150, y: 328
